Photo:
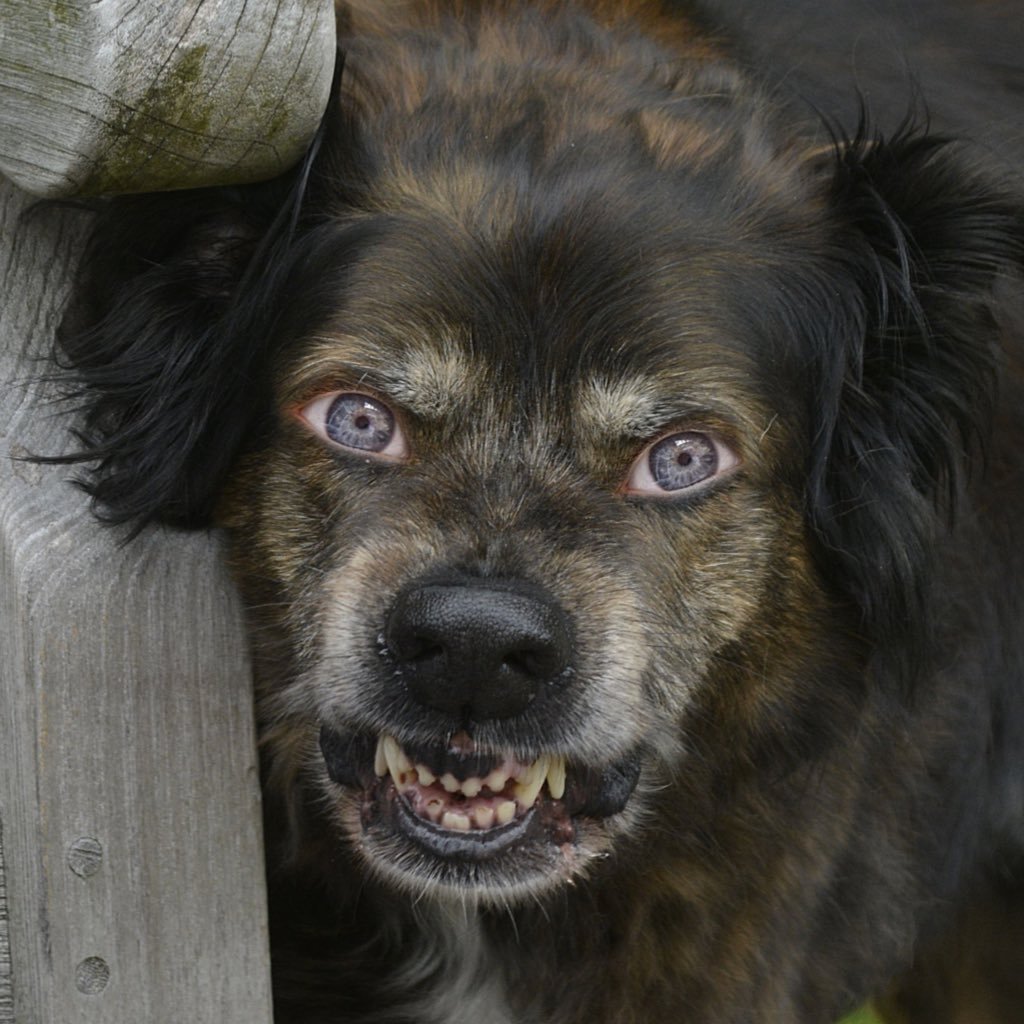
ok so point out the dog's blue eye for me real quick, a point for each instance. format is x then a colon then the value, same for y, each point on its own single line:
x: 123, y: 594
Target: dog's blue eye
x: 679, y: 462
x: 682, y: 460
x: 358, y: 422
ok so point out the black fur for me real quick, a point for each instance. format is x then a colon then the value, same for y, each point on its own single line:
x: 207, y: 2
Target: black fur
x: 909, y: 371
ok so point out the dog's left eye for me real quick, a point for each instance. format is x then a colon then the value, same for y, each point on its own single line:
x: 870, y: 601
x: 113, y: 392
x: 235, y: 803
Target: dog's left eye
x: 679, y: 462
x: 358, y: 422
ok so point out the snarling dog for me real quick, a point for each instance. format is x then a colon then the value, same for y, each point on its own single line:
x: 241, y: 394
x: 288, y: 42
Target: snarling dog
x: 625, y: 483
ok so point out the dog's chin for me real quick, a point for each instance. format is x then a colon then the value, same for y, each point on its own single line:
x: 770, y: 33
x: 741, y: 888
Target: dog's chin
x: 448, y: 819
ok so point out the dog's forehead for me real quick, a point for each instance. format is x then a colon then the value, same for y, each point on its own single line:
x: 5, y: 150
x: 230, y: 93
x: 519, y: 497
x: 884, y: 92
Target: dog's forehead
x: 443, y: 322
x: 541, y: 234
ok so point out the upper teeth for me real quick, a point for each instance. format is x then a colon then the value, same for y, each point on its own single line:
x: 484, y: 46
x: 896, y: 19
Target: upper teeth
x: 527, y: 782
x: 556, y: 778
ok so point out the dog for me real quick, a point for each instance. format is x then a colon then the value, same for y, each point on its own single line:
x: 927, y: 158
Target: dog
x: 624, y: 480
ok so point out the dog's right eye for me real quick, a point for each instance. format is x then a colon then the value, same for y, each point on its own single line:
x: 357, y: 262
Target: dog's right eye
x: 358, y: 422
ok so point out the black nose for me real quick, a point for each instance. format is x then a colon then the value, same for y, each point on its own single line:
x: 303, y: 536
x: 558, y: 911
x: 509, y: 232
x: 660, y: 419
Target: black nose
x: 480, y: 648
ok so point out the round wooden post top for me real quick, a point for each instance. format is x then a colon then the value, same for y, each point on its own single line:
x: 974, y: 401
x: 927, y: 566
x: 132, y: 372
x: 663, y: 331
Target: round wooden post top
x: 109, y: 96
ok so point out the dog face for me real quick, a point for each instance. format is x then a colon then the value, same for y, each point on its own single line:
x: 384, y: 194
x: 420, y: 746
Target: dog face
x: 579, y: 441
x: 515, y: 536
x: 528, y: 488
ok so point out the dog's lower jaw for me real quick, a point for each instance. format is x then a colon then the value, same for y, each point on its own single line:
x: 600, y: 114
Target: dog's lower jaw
x: 527, y: 856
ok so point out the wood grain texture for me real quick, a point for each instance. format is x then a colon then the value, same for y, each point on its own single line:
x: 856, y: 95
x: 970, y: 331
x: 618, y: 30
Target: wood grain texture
x: 128, y: 785
x: 6, y: 992
x: 108, y: 96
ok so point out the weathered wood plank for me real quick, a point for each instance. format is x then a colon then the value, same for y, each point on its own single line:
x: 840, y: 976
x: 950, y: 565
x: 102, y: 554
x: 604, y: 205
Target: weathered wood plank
x: 129, y: 797
x: 6, y: 996
x: 107, y: 96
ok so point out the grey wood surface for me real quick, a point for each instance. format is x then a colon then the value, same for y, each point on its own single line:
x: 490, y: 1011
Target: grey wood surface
x: 131, y: 882
x: 6, y: 996
x: 107, y: 96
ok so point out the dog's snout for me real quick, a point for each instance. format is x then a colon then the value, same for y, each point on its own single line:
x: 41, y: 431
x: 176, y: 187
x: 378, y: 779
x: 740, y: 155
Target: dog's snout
x: 479, y: 649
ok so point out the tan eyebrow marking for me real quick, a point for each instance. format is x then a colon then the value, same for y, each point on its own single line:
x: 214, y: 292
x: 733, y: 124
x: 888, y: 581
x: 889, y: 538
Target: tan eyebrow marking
x: 630, y: 406
x: 431, y: 379
x: 428, y: 376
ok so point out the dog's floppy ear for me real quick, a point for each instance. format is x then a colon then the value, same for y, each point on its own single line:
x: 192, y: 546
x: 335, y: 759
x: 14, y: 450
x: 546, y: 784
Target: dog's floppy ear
x: 166, y: 377
x: 906, y: 371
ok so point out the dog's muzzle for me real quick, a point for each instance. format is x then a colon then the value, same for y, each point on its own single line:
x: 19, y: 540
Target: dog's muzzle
x: 469, y: 653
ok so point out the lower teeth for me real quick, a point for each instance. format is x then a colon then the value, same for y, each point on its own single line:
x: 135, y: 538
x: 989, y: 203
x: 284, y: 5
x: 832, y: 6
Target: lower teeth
x: 453, y: 820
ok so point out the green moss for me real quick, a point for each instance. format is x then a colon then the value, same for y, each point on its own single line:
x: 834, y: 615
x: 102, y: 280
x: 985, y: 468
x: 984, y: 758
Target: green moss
x: 278, y: 124
x: 65, y: 11
x: 163, y: 134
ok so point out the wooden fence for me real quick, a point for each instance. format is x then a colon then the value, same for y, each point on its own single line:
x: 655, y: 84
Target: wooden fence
x: 131, y: 876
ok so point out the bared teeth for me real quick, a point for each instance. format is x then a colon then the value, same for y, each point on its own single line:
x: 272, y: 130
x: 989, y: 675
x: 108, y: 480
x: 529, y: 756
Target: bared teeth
x: 526, y: 781
x: 472, y: 787
x: 483, y: 816
x: 530, y: 783
x: 556, y: 778
x: 398, y: 764
x: 505, y: 812
x: 456, y: 820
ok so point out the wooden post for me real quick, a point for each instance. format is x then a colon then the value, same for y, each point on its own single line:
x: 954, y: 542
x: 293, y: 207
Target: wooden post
x: 131, y: 875
x: 6, y: 995
x: 108, y: 96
